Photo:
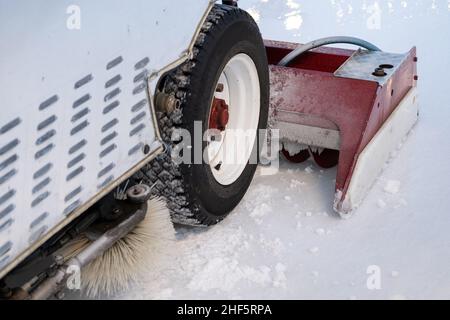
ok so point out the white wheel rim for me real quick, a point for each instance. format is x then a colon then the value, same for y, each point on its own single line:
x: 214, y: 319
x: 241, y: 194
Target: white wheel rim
x: 230, y: 152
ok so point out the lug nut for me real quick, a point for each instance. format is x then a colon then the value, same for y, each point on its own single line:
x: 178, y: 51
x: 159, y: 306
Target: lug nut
x: 379, y: 72
x: 220, y: 87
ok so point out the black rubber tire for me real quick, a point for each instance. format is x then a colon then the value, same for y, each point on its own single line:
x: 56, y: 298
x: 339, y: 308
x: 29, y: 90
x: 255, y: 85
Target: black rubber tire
x: 193, y: 195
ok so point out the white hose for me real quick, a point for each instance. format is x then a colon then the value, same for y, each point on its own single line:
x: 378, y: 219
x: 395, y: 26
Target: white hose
x: 323, y: 42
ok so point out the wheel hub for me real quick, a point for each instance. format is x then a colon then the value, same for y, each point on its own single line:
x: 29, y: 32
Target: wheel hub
x: 219, y: 115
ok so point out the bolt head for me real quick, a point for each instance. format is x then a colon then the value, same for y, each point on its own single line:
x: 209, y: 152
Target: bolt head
x: 379, y: 72
x: 220, y: 87
x: 139, y: 193
x: 59, y: 260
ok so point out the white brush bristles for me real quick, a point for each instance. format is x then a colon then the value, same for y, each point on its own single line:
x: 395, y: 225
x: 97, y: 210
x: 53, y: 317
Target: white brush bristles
x: 121, y: 265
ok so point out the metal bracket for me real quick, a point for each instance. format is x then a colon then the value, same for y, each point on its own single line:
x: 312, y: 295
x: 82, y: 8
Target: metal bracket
x: 364, y: 65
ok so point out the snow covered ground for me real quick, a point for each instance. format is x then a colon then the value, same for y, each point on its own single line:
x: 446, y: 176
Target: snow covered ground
x: 283, y: 241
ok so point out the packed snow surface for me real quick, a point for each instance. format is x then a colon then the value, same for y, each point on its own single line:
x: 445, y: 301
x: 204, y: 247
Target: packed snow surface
x: 284, y: 241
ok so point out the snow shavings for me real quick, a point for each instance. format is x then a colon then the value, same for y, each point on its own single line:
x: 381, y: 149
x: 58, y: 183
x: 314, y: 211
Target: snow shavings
x: 254, y: 13
x: 276, y: 246
x: 395, y: 274
x: 381, y: 204
x: 260, y: 194
x: 293, y: 148
x: 320, y: 231
x: 259, y: 212
x: 314, y: 250
x: 280, y: 279
x: 224, y: 273
x: 296, y: 184
x: 165, y: 294
x: 401, y: 203
x: 398, y: 297
x: 392, y: 187
x: 309, y: 170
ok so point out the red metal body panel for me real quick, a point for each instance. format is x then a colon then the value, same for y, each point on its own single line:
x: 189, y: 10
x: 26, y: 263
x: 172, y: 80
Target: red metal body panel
x: 358, y: 108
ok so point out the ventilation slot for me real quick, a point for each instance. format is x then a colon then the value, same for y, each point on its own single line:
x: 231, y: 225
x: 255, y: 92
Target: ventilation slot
x: 8, y: 171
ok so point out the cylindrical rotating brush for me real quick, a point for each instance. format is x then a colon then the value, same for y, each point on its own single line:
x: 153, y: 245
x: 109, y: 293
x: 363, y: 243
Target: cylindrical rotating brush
x: 121, y: 265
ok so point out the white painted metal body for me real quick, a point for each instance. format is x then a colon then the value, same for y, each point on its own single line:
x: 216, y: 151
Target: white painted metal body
x: 75, y: 113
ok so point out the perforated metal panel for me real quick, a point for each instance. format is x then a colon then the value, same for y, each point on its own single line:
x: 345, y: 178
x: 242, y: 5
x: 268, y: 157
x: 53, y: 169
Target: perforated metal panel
x: 75, y: 114
x: 57, y: 154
